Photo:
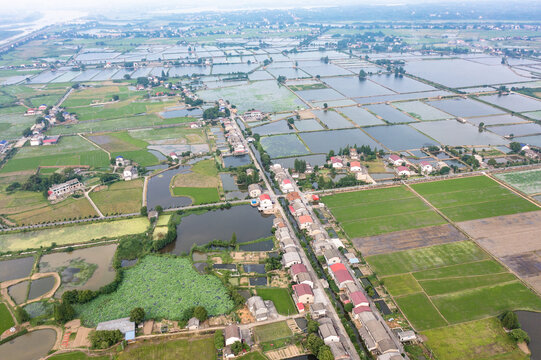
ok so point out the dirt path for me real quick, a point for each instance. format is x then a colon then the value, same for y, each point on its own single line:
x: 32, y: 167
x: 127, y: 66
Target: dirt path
x: 92, y: 202
x: 96, y: 145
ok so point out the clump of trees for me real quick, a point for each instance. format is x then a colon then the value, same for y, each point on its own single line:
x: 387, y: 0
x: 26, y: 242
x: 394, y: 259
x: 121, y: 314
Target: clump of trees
x: 214, y: 113
x: 39, y: 183
x: 510, y: 321
x: 102, y: 339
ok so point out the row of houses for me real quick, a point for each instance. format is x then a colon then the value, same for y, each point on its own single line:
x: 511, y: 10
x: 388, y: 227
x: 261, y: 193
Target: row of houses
x: 353, y: 165
x: 282, y: 178
x: 234, y: 137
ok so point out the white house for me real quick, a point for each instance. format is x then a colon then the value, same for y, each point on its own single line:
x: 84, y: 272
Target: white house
x: 254, y: 190
x: 291, y: 258
x: 337, y: 162
x: 130, y: 173
x: 119, y: 161
x: 265, y: 202
x: 36, y: 140
x: 286, y: 186
x: 395, y: 160
x: 257, y: 307
x: 231, y: 334
x: 305, y: 221
x: 327, y: 331
x: 355, y: 166
x: 332, y: 256
x: 426, y: 167
x: 403, y: 171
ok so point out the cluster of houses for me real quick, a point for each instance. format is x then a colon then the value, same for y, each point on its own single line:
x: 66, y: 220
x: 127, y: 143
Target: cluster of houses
x: 261, y: 309
x: 234, y: 137
x: 405, y: 168
x: 40, y: 139
x: 60, y: 191
x: 253, y: 115
x: 130, y: 171
x: 353, y: 164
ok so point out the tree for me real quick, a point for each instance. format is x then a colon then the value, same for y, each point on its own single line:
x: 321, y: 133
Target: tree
x: 144, y: 211
x: 314, y: 343
x: 481, y: 126
x: 137, y: 315
x: 515, y: 147
x: 273, y: 263
x: 519, y: 335
x: 325, y: 353
x: 102, y: 339
x: 27, y: 132
x: 237, y: 347
x: 219, y: 339
x: 312, y: 326
x: 491, y: 162
x: 325, y: 105
x: 281, y: 79
x: 63, y: 313
x: 362, y: 75
x: 348, y: 307
x: 21, y: 315
x: 510, y: 320
x: 70, y: 297
x: 200, y: 313
x: 233, y: 241
x: 143, y: 80
x: 159, y: 209
x: 115, y: 97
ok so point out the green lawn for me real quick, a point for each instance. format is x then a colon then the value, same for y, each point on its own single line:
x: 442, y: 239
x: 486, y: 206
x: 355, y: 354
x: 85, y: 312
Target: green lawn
x: 6, y: 321
x: 373, y: 212
x: 439, y: 287
x: 198, y: 195
x: 270, y: 332
x: 77, y: 355
x: 472, y: 198
x: 72, y: 234
x: 482, y: 339
x: 425, y: 258
x: 255, y: 355
x: 420, y: 312
x: 281, y: 299
x: 483, y: 267
x: 200, y: 349
x: 404, y: 284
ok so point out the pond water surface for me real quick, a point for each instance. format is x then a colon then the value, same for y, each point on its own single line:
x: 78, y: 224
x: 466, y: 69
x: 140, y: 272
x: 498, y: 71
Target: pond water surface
x: 531, y: 323
x: 158, y: 192
x: 40, y: 287
x: 243, y: 220
x: 16, y: 268
x: 33, y: 345
x: 18, y: 292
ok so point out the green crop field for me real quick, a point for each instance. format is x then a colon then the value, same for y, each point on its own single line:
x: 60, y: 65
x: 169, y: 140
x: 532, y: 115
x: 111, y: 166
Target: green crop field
x: 425, y: 258
x: 472, y: 198
x: 123, y: 197
x: 482, y: 339
x: 72, y: 150
x: 281, y: 299
x: 274, y: 331
x: 13, y: 122
x: 178, y: 135
x: 373, y: 212
x: 201, y: 185
x: 77, y: 355
x: 454, y: 283
x: 122, y: 144
x: 198, y: 195
x: 200, y: 349
x: 6, y: 321
x: 528, y: 182
x: 164, y: 286
x: 72, y: 234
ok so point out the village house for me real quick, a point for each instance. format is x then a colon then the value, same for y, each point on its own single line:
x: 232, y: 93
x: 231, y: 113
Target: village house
x: 65, y: 189
x: 358, y: 299
x: 318, y: 310
x: 297, y: 269
x: 51, y: 140
x: 124, y: 325
x: 395, y: 160
x: 353, y: 154
x: 304, y: 278
x: 355, y: 166
x: 265, y: 202
x: 119, y: 161
x: 36, y: 140
x: 173, y: 156
x: 130, y: 173
x: 193, y: 324
x: 407, y: 336
x: 297, y: 208
x: 290, y: 258
x: 286, y: 186
x: 340, y: 274
x: 254, y: 190
x: 338, y: 351
x: 403, y: 171
x: 337, y: 162
x: 253, y: 115
x: 327, y: 331
x: 303, y: 293
x: 332, y: 256
x: 292, y: 196
x: 360, y: 309
x: 257, y: 307
x: 231, y: 334
x: 426, y: 167
x: 305, y: 221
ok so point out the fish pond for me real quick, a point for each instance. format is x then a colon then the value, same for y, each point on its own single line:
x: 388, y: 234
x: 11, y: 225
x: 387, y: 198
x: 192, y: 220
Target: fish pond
x: 158, y: 192
x: 16, y: 268
x: 34, y: 345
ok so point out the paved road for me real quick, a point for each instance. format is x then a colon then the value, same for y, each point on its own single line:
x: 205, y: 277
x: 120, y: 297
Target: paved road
x: 331, y: 311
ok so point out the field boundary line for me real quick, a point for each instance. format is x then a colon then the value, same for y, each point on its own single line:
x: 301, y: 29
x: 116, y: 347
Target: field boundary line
x: 513, y: 190
x: 96, y: 145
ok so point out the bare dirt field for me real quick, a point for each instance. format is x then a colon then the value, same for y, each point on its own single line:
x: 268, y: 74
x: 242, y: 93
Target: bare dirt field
x: 407, y: 239
x: 514, y: 239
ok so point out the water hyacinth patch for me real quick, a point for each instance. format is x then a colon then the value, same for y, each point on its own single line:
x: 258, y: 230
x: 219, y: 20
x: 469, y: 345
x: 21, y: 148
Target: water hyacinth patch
x: 165, y: 287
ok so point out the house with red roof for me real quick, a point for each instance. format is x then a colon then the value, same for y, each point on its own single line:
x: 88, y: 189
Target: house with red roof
x: 395, y: 160
x: 297, y: 269
x: 305, y: 221
x: 265, y: 202
x: 341, y: 275
x: 358, y: 299
x: 426, y: 167
x: 286, y: 186
x: 303, y: 293
x: 355, y: 166
x: 403, y: 171
x: 359, y: 310
x: 337, y: 162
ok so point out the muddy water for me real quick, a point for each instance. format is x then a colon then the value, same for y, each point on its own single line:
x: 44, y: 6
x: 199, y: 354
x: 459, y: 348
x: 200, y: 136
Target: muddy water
x: 15, y: 268
x: 158, y: 192
x: 40, y: 287
x: 31, y: 346
x: 18, y: 292
x: 531, y: 323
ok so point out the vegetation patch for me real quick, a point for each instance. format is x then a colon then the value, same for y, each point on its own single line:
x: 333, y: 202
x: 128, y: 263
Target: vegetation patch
x: 373, y: 212
x: 201, y: 185
x: 472, y: 198
x: 6, y: 321
x: 529, y: 182
x: 123, y: 197
x: 198, y: 195
x: 420, y: 311
x: 202, y: 349
x: 402, y: 284
x: 165, y: 287
x: 274, y: 331
x: 280, y: 297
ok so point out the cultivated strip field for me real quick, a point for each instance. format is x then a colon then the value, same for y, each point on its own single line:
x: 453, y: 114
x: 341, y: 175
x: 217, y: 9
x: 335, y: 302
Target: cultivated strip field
x: 514, y: 239
x: 407, y: 239
x: 529, y: 182
x: 472, y: 198
x: 374, y: 212
x: 450, y: 283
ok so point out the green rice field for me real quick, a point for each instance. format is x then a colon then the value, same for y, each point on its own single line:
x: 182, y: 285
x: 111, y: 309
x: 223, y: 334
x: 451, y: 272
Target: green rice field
x: 198, y: 195
x: 281, y: 299
x: 529, y: 182
x: 472, y: 198
x: 373, y: 212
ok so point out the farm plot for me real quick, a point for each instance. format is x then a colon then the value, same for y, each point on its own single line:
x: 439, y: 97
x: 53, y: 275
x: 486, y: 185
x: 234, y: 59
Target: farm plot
x: 407, y: 239
x: 482, y: 339
x: 283, y: 145
x: 88, y: 96
x: 165, y: 287
x: 529, y: 182
x: 201, y: 184
x: 121, y: 197
x: 122, y: 144
x: 72, y: 234
x: 12, y: 125
x: 70, y: 151
x: 373, y: 212
x: 281, y: 299
x: 454, y: 283
x: 472, y: 198
x: 499, y: 236
x: 274, y: 331
x: 171, y: 135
